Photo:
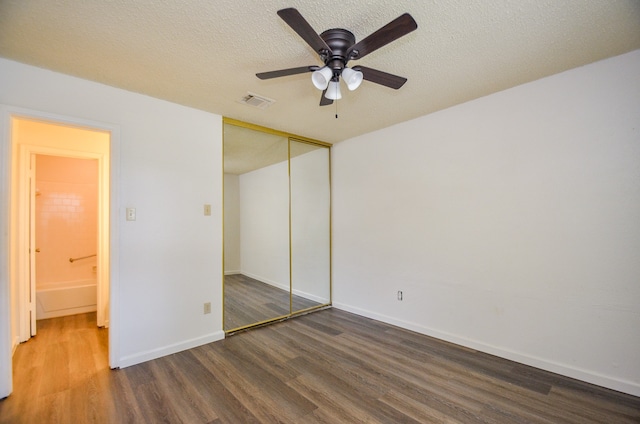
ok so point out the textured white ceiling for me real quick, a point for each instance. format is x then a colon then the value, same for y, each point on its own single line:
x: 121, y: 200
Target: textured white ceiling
x: 205, y: 53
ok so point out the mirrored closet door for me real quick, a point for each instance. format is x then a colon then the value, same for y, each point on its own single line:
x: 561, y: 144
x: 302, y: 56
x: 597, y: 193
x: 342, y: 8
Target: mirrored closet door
x: 310, y: 224
x: 276, y: 225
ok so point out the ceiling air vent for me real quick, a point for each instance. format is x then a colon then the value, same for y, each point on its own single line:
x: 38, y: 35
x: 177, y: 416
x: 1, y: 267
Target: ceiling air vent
x: 257, y: 101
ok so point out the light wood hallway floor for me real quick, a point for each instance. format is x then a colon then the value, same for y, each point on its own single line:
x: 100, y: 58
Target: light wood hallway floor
x: 329, y: 366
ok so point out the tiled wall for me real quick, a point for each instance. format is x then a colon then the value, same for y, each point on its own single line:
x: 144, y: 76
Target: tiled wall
x: 66, y: 219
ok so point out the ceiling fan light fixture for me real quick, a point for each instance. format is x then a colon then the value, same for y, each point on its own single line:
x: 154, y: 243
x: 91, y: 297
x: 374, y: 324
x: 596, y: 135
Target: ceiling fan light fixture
x: 352, y: 78
x: 333, y: 91
x: 322, y: 77
x: 336, y: 47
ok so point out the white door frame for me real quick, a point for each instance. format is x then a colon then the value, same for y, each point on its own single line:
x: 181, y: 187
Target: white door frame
x: 31, y: 301
x: 9, y: 271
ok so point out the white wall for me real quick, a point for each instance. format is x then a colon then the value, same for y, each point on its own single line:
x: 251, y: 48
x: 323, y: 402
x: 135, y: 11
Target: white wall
x: 169, y: 261
x: 264, y: 224
x: 511, y: 223
x: 231, y: 224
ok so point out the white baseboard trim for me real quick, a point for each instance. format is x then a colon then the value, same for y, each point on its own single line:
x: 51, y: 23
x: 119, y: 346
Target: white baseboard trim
x: 613, y: 383
x: 310, y: 296
x: 137, y: 358
x: 14, y: 345
x: 232, y: 272
x: 41, y: 314
x: 266, y: 281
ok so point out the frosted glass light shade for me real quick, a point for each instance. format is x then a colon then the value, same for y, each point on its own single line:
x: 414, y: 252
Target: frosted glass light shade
x: 321, y: 77
x: 333, y: 91
x: 352, y: 78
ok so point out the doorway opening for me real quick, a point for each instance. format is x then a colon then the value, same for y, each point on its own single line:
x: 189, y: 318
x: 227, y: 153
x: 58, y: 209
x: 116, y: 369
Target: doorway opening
x: 66, y: 235
x: 25, y: 134
x: 59, y: 222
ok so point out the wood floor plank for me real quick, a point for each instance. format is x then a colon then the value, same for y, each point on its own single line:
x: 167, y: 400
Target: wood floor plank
x: 331, y: 406
x: 261, y: 355
x: 126, y: 406
x: 156, y: 406
x: 594, y: 409
x: 204, y: 372
x: 417, y: 410
x: 458, y: 384
x: 257, y: 390
x: 53, y: 408
x: 55, y: 379
x: 326, y: 367
x: 346, y: 376
x: 190, y: 405
x: 402, y: 375
x: 87, y: 402
x: 364, y: 404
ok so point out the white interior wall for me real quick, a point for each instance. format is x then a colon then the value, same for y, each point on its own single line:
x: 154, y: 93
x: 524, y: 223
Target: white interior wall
x: 169, y: 161
x: 264, y: 224
x: 231, y: 224
x: 511, y: 223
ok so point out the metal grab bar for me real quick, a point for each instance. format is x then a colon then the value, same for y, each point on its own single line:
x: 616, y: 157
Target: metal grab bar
x: 83, y: 257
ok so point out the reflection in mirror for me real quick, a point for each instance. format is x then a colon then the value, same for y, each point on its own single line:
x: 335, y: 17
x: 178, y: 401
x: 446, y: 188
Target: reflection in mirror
x: 310, y: 224
x: 256, y: 227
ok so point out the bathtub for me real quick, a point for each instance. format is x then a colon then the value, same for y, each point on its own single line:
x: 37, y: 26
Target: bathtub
x: 67, y: 298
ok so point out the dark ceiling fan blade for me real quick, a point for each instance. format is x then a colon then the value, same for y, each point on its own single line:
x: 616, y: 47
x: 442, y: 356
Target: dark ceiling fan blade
x: 382, y: 78
x: 285, y: 72
x: 323, y: 100
x: 395, y: 29
x: 300, y: 25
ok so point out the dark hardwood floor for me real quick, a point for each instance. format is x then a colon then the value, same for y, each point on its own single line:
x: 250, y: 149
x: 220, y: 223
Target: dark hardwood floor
x: 249, y: 301
x: 329, y: 366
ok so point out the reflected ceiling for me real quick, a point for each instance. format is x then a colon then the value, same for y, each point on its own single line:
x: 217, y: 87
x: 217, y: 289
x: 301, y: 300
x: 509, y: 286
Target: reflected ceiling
x: 246, y: 150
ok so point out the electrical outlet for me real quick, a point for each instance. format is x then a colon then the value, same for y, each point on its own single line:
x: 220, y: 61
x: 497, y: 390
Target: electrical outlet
x: 399, y: 294
x: 207, y: 308
x: 131, y: 214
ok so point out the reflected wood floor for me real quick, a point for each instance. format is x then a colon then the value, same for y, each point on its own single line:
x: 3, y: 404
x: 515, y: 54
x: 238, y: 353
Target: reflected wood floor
x: 326, y: 367
x: 248, y: 301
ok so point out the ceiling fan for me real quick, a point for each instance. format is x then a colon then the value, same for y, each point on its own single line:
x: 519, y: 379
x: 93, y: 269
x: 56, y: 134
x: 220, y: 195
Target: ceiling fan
x: 336, y: 47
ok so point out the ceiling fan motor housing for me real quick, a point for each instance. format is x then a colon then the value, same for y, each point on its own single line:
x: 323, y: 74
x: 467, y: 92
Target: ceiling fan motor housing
x: 339, y: 41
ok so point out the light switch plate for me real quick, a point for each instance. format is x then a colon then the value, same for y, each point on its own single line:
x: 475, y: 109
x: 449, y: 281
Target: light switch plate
x: 207, y: 210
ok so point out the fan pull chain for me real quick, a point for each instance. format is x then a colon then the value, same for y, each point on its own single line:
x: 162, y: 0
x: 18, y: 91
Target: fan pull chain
x: 336, y: 109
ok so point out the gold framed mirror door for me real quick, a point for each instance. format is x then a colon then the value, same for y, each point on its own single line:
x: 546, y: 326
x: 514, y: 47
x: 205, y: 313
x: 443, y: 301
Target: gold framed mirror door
x: 276, y: 225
